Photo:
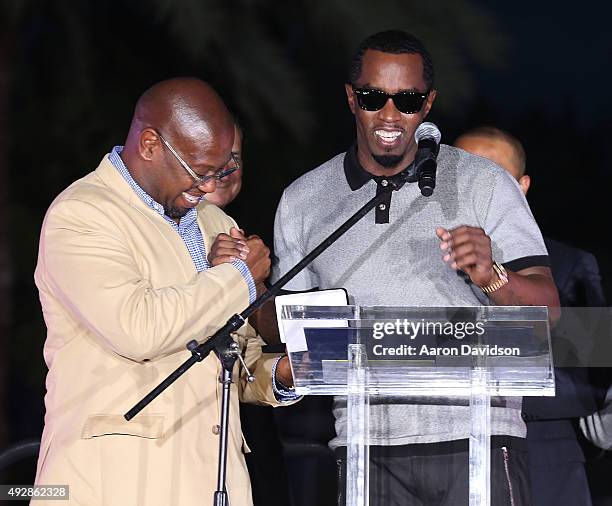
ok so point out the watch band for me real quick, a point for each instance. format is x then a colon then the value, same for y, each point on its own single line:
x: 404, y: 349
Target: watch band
x: 502, y: 281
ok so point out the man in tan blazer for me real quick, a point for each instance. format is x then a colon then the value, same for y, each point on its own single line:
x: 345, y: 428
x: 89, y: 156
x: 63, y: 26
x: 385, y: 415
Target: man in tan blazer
x: 132, y: 265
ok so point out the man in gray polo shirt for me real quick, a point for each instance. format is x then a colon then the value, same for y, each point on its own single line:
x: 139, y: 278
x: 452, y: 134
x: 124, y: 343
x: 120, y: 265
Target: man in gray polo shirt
x: 473, y: 242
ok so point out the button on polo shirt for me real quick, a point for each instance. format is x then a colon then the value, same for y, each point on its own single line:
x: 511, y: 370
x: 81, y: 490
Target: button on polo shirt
x: 357, y: 176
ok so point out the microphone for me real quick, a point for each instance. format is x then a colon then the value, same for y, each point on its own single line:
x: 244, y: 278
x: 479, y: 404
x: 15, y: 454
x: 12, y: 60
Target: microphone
x: 428, y: 138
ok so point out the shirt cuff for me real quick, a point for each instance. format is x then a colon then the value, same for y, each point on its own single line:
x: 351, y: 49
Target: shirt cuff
x: 281, y: 393
x: 248, y: 277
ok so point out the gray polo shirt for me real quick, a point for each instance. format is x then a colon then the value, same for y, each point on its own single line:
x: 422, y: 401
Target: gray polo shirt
x: 393, y: 258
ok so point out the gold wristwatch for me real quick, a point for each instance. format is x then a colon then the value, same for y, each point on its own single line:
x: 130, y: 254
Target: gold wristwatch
x: 503, y: 279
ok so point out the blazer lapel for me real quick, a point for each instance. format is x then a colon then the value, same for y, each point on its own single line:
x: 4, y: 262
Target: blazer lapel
x: 174, y: 243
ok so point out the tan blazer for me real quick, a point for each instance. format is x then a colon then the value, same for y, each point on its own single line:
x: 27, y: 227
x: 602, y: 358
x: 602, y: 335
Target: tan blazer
x: 121, y: 298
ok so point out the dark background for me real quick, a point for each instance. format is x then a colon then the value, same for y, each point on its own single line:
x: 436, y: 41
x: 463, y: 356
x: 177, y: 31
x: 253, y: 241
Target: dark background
x: 71, y: 71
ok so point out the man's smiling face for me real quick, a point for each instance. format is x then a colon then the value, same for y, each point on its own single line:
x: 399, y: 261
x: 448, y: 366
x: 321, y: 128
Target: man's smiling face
x: 169, y: 183
x: 385, y: 138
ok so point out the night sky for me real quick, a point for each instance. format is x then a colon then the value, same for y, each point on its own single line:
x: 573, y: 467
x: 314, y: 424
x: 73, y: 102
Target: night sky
x: 559, y: 56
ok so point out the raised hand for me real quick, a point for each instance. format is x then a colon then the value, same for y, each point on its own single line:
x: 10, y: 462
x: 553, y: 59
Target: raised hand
x: 468, y: 249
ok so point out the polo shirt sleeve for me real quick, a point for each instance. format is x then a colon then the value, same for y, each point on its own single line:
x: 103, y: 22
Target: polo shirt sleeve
x: 289, y: 246
x: 516, y: 240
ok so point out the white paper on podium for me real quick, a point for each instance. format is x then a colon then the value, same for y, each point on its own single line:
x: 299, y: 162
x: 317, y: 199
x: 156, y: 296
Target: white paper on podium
x: 292, y: 331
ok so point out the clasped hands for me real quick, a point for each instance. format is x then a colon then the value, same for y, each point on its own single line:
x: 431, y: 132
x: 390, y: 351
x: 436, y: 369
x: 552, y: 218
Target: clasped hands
x: 237, y: 246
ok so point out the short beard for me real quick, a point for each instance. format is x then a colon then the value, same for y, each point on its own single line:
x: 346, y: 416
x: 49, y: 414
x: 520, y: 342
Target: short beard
x: 388, y: 161
x: 175, y: 213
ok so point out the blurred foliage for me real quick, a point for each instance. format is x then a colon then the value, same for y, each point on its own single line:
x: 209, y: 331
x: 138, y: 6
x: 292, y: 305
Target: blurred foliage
x: 279, y: 65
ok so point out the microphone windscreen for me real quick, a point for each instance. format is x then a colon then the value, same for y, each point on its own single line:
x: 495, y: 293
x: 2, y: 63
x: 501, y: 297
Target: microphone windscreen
x: 427, y: 130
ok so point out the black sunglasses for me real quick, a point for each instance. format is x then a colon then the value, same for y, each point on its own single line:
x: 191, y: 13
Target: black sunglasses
x: 407, y: 102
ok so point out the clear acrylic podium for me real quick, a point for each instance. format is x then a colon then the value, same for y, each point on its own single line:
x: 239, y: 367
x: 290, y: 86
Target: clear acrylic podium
x: 473, y: 352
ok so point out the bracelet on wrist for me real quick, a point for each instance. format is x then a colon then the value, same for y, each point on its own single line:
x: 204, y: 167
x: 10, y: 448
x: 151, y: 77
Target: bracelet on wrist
x: 502, y: 280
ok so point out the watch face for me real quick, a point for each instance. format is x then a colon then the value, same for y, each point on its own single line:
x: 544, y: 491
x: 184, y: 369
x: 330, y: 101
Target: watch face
x: 501, y: 272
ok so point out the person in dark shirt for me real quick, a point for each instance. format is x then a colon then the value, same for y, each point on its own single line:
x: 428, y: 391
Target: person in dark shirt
x: 556, y: 461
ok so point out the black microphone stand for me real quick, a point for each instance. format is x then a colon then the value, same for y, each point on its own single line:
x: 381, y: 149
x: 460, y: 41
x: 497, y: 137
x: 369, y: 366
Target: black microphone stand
x: 228, y: 351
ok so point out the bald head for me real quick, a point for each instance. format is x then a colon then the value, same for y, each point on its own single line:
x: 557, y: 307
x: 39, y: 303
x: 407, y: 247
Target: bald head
x: 178, y: 123
x: 500, y: 147
x: 185, y: 107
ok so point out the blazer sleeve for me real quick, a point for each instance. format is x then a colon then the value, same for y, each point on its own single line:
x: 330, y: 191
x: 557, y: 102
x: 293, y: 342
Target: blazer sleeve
x: 260, y: 365
x: 597, y: 428
x: 87, y: 265
x: 586, y: 283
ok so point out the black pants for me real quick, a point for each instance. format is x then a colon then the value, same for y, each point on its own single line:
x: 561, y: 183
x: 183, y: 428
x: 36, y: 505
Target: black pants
x: 437, y: 474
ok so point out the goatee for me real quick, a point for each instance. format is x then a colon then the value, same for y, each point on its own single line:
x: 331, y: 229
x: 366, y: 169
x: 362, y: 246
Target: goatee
x: 388, y: 161
x: 175, y: 213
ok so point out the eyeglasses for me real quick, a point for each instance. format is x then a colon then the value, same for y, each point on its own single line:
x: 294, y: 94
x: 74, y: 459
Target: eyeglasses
x: 201, y: 180
x: 407, y: 102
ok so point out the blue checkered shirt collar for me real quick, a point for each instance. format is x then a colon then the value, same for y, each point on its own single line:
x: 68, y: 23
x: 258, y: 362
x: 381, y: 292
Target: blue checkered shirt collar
x: 185, y: 221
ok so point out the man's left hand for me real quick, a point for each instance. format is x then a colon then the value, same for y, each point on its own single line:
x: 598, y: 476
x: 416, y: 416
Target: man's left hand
x: 227, y: 248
